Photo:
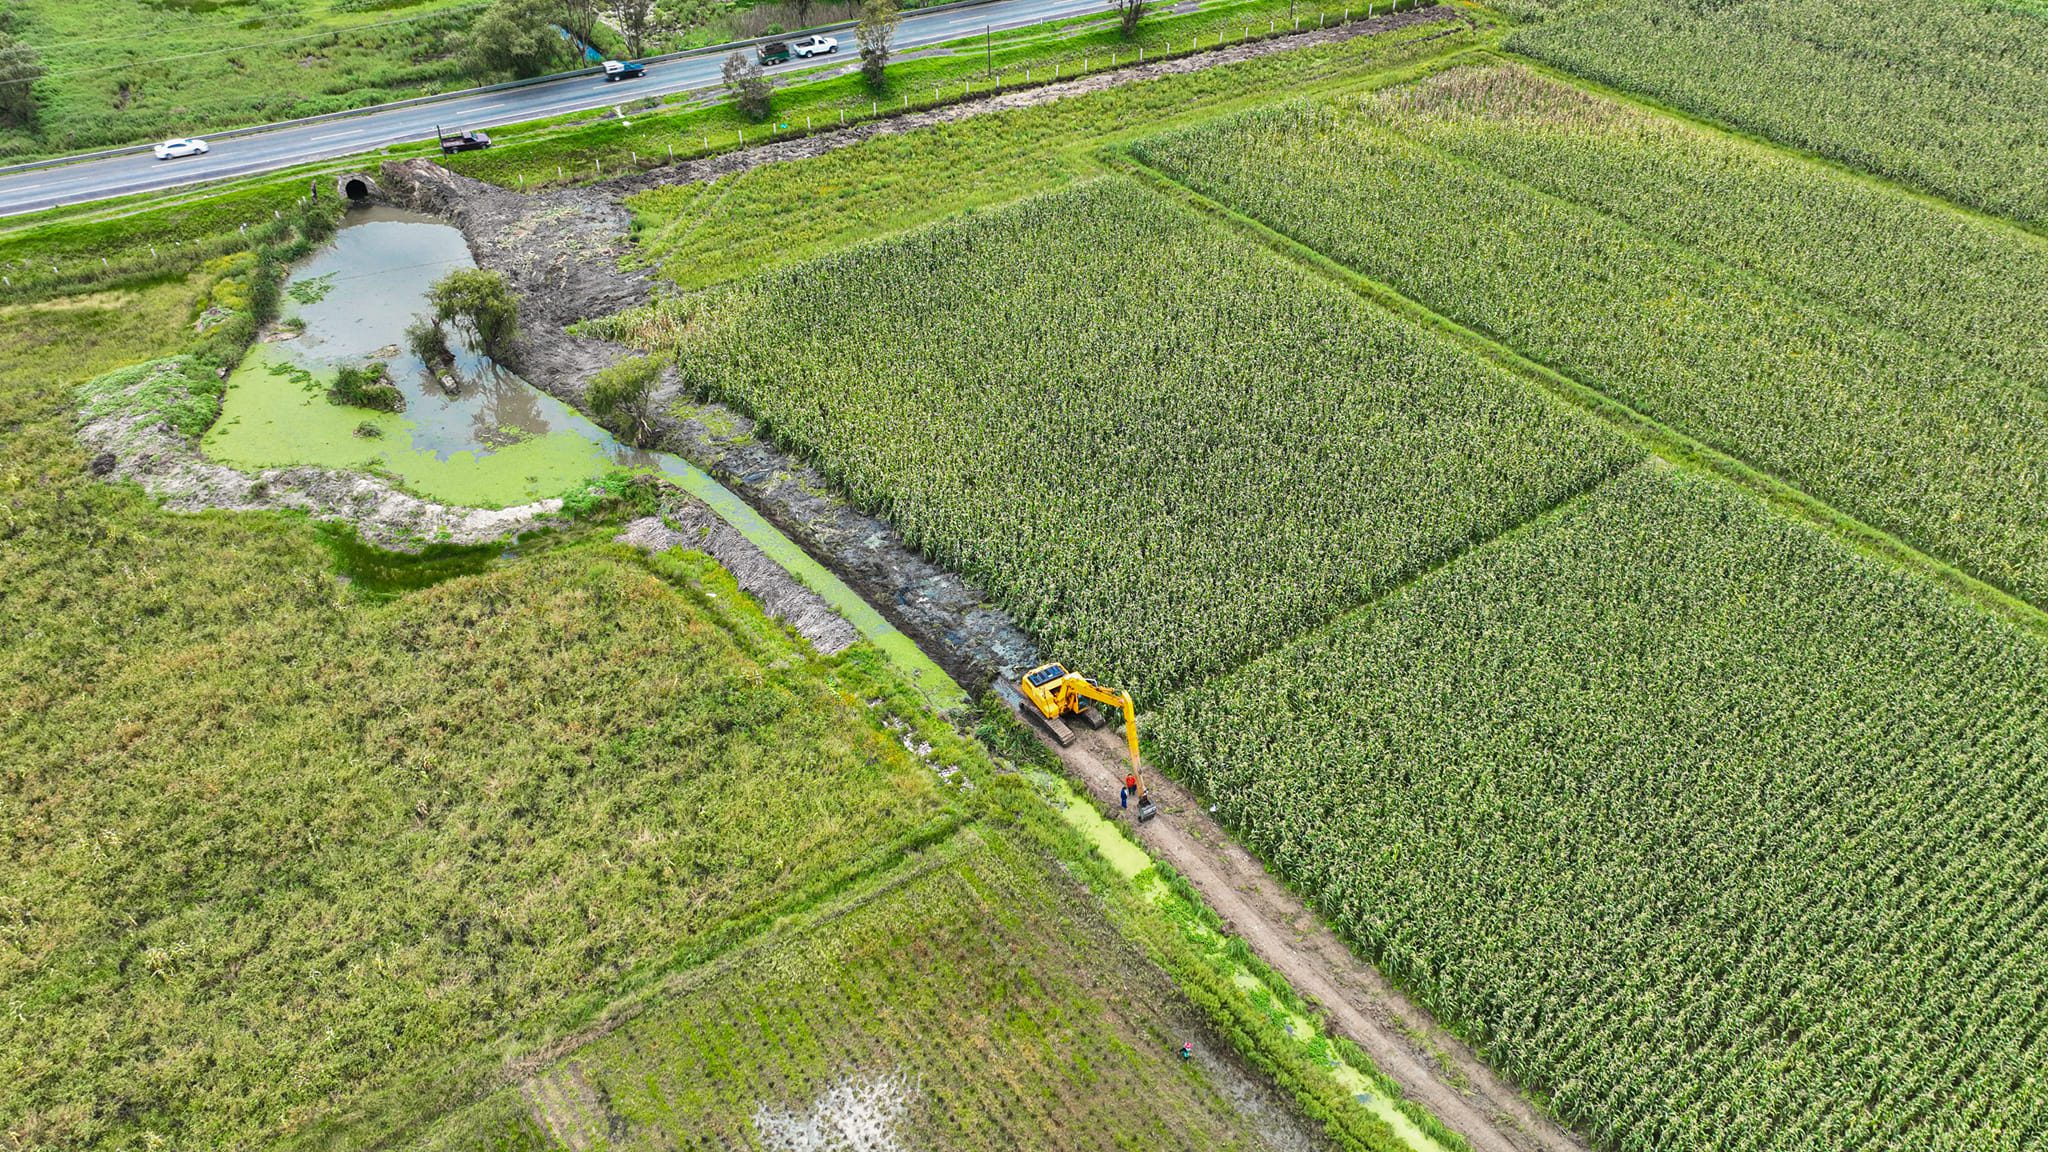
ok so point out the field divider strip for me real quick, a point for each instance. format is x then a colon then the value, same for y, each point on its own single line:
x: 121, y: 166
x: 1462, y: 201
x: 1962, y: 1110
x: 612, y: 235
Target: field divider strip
x: 1659, y: 438
x: 2033, y: 233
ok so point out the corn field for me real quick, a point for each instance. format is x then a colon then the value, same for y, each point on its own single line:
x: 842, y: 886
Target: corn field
x: 1735, y: 845
x: 1878, y: 422
x: 1944, y: 96
x: 1161, y: 448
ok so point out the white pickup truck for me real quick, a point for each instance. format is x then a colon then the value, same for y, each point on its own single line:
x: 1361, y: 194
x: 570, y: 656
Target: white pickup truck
x: 813, y: 46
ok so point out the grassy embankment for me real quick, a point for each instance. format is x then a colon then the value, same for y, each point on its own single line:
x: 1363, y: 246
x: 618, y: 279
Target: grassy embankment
x: 569, y: 149
x: 703, y: 234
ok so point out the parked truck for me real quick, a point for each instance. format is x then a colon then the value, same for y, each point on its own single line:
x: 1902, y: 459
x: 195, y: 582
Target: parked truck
x: 461, y: 140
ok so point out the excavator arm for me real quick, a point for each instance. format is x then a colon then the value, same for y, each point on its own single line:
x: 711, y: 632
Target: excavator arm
x: 1118, y: 700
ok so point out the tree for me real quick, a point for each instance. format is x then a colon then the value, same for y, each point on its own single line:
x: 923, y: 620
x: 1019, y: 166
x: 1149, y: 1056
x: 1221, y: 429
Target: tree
x: 750, y: 89
x: 482, y: 304
x: 515, y: 38
x: 623, y: 393
x: 636, y: 20
x: 579, y: 18
x: 877, y: 35
x: 20, y: 68
x: 1128, y: 13
x: 803, y: 13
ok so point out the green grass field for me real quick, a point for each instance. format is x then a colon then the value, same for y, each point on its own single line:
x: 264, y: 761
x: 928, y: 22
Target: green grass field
x: 975, y: 1000
x: 275, y: 844
x: 123, y: 71
x: 702, y: 234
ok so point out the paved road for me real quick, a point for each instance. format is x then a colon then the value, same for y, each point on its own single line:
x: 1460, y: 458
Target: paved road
x: 273, y: 149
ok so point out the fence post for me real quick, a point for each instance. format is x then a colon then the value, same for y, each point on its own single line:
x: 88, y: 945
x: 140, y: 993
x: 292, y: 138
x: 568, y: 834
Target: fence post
x: 671, y: 153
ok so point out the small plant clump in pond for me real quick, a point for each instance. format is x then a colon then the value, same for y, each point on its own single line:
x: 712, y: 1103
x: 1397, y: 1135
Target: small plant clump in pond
x: 368, y: 386
x: 425, y: 338
x: 368, y: 430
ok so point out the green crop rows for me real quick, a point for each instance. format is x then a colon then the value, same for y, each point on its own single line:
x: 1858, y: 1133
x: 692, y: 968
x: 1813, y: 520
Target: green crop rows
x: 979, y: 1001
x: 1876, y: 421
x: 1158, y: 482
x: 1947, y: 96
x: 1971, y: 287
x: 1719, y: 835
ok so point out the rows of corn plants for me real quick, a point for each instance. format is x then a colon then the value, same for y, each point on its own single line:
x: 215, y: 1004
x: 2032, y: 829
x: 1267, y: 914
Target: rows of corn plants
x: 1162, y: 448
x: 1975, y: 288
x: 1878, y: 422
x: 980, y: 1002
x: 1944, y: 96
x: 1716, y: 834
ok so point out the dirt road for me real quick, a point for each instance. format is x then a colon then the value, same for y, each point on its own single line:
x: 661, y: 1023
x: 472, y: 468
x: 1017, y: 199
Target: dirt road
x: 1434, y: 1068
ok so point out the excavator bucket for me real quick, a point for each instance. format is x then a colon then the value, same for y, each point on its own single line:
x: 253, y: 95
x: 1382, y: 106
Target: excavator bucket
x: 1147, y: 809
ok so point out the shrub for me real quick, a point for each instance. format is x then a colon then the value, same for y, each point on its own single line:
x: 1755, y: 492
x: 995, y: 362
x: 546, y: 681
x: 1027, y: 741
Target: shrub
x: 366, y: 387
x: 482, y: 303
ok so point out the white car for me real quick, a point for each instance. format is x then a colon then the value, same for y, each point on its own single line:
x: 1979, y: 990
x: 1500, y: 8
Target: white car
x: 813, y: 46
x: 172, y: 149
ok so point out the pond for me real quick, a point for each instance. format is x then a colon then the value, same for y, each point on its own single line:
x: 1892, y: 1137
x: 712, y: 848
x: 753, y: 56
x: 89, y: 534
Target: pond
x: 485, y: 438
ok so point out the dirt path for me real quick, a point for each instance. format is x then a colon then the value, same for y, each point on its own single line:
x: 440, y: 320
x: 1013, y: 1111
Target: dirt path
x: 1433, y: 1067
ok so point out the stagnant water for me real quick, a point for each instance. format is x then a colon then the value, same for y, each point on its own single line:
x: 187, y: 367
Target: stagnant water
x: 491, y: 439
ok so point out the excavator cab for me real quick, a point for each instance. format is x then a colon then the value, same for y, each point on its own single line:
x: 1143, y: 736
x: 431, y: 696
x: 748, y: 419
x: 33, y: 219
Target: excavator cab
x: 1052, y: 694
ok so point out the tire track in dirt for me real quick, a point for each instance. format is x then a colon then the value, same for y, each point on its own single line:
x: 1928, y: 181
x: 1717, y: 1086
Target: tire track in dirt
x: 1434, y: 1068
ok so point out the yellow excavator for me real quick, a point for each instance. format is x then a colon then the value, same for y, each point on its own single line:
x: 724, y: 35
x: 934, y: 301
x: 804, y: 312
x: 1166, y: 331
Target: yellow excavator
x: 1051, y: 694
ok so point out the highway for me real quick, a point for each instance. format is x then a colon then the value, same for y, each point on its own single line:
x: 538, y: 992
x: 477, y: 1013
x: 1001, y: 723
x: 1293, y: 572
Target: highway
x: 275, y: 148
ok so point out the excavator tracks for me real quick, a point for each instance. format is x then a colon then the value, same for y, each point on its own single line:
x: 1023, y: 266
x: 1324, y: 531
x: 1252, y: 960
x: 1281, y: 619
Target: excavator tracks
x: 1054, y: 726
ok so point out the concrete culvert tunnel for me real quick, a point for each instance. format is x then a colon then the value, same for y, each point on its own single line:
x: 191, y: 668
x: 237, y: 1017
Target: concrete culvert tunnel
x: 356, y: 188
